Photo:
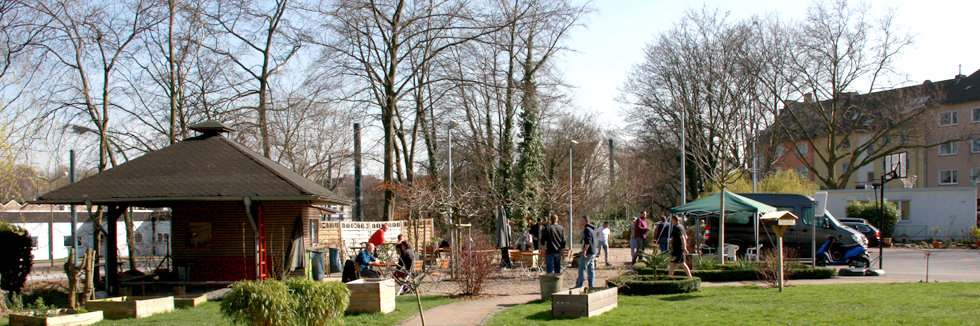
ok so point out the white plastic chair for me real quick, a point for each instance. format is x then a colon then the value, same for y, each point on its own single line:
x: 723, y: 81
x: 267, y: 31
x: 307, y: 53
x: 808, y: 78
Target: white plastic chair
x: 730, y: 251
x: 752, y: 252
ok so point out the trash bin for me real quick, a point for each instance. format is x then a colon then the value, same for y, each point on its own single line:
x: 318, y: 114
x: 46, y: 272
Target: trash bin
x: 335, y: 265
x: 317, y: 265
x: 550, y: 283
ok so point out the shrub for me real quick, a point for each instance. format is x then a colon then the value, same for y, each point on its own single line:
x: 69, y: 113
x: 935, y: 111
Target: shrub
x: 319, y: 303
x: 814, y: 273
x: 476, y: 265
x: 17, y: 258
x: 768, y: 267
x: 704, y: 262
x: 869, y: 211
x: 266, y: 303
x: 654, y: 284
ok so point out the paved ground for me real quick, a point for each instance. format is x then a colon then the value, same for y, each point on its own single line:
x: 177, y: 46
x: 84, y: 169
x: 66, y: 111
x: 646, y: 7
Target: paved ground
x: 900, y: 265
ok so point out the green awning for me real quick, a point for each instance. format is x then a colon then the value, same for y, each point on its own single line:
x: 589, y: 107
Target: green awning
x: 733, y: 204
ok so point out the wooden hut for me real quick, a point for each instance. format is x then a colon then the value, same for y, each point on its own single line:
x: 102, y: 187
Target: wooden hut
x: 235, y: 213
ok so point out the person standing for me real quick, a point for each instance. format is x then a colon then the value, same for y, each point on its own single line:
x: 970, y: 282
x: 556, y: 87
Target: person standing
x: 537, y: 231
x: 660, y: 234
x: 678, y: 247
x: 379, y: 236
x: 640, y: 230
x: 630, y: 237
x: 603, y: 238
x: 553, y: 241
x: 587, y: 262
x: 503, y: 239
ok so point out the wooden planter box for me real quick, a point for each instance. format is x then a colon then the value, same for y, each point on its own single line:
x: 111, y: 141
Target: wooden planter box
x: 180, y: 301
x: 87, y: 318
x: 131, y: 307
x: 574, y: 304
x: 372, y: 295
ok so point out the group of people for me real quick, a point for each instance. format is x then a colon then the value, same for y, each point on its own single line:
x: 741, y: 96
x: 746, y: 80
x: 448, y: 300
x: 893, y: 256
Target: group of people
x: 551, y: 238
x: 366, y: 258
x: 668, y: 236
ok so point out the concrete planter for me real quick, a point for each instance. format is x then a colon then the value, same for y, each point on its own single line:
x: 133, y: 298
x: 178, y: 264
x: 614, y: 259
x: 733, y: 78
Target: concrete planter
x: 131, y: 307
x: 180, y: 301
x: 574, y: 304
x: 87, y: 318
x: 372, y: 295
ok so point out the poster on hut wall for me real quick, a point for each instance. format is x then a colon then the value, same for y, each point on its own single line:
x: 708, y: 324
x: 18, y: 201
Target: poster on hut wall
x: 200, y: 235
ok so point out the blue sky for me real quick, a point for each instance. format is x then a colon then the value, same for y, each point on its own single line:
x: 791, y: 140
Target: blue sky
x: 946, y: 36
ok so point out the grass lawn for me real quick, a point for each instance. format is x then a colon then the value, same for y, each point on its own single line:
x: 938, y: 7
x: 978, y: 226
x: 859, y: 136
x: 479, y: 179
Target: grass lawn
x: 210, y: 314
x: 844, y: 304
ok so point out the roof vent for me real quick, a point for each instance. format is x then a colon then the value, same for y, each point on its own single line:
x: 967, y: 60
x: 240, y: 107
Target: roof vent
x: 210, y: 128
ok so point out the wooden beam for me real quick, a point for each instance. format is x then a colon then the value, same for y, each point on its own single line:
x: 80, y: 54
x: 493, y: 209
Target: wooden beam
x: 112, y: 251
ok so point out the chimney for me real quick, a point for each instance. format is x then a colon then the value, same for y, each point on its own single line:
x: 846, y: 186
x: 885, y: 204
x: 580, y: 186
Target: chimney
x: 959, y: 76
x: 808, y: 97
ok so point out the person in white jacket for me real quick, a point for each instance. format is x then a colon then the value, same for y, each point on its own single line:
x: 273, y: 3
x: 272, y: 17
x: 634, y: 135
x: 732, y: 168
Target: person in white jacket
x: 603, y: 235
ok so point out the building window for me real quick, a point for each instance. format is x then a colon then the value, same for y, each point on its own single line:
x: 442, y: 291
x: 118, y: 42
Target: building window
x: 976, y: 146
x: 137, y: 237
x: 163, y: 237
x: 976, y: 114
x: 846, y: 143
x: 802, y: 170
x: 948, y: 148
x: 34, y: 242
x: 780, y: 150
x: 904, y: 207
x: 314, y: 227
x: 975, y: 176
x: 871, y: 150
x: 803, y: 150
x: 948, y: 177
x: 871, y: 177
x: 947, y: 118
x: 845, y: 167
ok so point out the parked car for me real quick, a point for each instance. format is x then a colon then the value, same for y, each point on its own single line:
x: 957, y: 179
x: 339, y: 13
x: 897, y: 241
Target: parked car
x: 869, y: 231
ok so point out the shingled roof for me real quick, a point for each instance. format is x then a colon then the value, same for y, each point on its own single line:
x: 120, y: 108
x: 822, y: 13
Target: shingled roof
x: 208, y: 167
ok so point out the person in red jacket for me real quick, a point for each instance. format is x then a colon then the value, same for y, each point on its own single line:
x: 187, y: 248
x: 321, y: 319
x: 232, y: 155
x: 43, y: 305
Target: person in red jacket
x: 640, y: 230
x: 379, y: 236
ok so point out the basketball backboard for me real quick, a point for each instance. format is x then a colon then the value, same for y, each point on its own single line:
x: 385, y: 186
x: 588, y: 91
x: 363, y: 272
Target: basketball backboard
x: 896, y: 165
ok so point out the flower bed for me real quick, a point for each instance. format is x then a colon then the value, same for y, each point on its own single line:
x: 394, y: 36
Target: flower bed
x: 655, y: 284
x: 78, y: 319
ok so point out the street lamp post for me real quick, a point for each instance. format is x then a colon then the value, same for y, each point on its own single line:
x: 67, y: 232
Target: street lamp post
x: 453, y: 229
x: 570, y: 216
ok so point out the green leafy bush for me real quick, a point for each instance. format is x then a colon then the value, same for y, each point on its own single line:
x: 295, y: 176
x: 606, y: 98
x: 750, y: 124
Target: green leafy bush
x: 869, y: 211
x: 654, y: 284
x: 17, y: 258
x: 295, y: 301
x: 320, y: 303
x: 267, y: 303
x: 814, y: 273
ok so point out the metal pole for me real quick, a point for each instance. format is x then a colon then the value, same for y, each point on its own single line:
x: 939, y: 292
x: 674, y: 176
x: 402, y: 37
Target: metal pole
x: 452, y: 124
x: 881, y: 221
x: 570, y: 192
x: 755, y: 166
x: 683, y: 157
x: 74, y: 214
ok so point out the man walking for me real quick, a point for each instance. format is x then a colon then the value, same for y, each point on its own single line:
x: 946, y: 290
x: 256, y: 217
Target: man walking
x: 640, y: 230
x: 553, y: 240
x: 603, y: 234
x: 678, y: 247
x: 586, y: 263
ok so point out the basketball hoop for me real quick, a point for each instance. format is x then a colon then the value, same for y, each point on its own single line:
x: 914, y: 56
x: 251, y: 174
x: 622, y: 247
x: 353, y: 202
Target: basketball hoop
x: 910, y: 181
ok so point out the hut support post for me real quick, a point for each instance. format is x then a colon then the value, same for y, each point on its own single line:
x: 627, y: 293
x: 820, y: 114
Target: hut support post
x: 112, y: 251
x: 255, y: 234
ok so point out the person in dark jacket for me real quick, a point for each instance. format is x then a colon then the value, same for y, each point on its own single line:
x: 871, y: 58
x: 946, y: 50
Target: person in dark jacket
x: 586, y: 263
x: 553, y: 241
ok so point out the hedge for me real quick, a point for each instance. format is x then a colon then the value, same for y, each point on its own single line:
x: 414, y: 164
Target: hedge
x: 732, y: 275
x: 285, y: 303
x: 650, y: 284
x: 17, y: 258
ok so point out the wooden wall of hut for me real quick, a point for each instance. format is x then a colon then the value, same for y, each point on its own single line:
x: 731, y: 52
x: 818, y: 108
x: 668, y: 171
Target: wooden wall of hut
x: 215, y: 239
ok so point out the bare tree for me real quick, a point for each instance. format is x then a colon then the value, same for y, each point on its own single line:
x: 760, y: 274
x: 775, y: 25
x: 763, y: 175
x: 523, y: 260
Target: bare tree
x: 697, y: 72
x: 838, y: 49
x: 259, y: 41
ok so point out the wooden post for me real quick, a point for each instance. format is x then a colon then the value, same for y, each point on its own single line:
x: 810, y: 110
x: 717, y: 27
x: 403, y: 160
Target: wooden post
x: 112, y: 248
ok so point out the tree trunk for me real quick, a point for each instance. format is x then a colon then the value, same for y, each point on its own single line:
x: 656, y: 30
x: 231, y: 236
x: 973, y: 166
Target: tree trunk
x: 130, y: 239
